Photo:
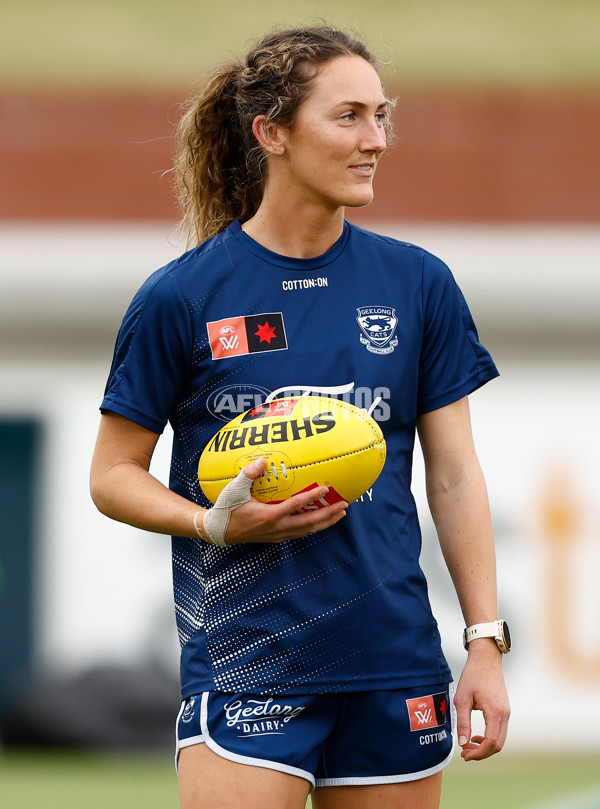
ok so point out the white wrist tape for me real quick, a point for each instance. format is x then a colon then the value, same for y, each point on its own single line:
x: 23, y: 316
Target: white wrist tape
x: 216, y: 519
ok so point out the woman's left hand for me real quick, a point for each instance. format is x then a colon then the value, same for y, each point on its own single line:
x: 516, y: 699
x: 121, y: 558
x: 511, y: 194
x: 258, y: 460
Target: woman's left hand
x: 481, y: 688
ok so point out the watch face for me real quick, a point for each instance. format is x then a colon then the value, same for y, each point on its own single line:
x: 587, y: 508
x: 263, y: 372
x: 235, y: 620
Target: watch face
x: 506, y: 635
x: 465, y: 641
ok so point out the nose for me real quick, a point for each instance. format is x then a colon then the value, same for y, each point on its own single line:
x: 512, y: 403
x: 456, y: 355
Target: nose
x: 374, y: 138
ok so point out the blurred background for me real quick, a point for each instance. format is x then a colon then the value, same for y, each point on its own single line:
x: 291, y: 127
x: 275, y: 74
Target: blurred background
x: 496, y: 170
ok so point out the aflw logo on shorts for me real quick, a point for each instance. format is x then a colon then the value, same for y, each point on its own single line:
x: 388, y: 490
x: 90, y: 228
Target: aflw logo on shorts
x: 248, y: 334
x: 427, y: 712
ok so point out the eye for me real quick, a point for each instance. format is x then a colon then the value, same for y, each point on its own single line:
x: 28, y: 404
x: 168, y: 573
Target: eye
x: 382, y: 116
x: 348, y: 116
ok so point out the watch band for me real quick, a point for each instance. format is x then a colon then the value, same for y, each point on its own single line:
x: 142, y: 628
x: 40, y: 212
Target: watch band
x: 498, y: 630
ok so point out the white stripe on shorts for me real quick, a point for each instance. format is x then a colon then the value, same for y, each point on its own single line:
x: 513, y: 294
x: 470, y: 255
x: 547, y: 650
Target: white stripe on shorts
x: 181, y: 743
x: 399, y: 779
x: 252, y: 762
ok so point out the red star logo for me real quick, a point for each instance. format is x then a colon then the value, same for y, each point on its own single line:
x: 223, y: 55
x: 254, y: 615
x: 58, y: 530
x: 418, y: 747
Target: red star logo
x: 443, y: 706
x: 265, y: 332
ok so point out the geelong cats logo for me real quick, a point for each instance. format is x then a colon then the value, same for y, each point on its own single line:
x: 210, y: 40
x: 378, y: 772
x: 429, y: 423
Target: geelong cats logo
x: 378, y: 324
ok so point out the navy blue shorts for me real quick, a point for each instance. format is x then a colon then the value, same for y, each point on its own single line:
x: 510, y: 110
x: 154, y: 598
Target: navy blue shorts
x: 369, y: 737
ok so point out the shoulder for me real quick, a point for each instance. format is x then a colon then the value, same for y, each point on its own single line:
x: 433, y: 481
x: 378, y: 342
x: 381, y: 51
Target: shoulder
x: 398, y: 248
x: 188, y: 273
x: 207, y: 257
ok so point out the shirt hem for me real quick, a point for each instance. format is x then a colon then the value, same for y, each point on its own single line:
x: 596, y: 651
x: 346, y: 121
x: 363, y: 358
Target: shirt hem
x: 132, y: 414
x: 442, y: 677
x: 458, y: 392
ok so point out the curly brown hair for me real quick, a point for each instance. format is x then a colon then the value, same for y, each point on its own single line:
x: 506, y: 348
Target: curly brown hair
x: 220, y: 168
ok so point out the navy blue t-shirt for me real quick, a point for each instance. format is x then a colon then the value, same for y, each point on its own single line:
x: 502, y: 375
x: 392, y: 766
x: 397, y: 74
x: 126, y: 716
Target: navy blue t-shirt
x: 376, y: 321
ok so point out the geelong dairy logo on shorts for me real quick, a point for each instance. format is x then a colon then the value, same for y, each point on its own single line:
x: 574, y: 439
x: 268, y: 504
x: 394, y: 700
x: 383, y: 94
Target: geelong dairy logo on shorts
x: 258, y: 717
x: 247, y: 334
x: 378, y: 324
x: 427, y: 712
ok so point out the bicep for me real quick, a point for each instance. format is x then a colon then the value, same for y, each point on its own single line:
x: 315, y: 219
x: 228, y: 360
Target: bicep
x: 446, y: 441
x: 120, y: 441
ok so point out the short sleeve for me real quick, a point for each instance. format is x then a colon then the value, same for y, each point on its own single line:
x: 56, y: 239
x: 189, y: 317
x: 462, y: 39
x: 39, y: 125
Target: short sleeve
x: 453, y: 363
x: 151, y: 355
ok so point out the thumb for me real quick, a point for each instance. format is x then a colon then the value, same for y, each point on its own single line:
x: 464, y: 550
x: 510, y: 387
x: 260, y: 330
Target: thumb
x: 216, y: 519
x: 255, y: 469
x: 236, y: 493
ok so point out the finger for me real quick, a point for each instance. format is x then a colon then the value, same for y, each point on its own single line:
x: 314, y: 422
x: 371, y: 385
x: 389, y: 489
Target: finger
x: 496, y: 730
x: 325, y: 517
x: 463, y: 723
x: 328, y: 516
x: 300, y: 500
x: 480, y: 748
x: 297, y: 525
x: 334, y: 514
x: 255, y: 469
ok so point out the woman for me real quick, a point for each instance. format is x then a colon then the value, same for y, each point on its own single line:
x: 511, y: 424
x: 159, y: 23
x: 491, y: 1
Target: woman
x: 310, y: 657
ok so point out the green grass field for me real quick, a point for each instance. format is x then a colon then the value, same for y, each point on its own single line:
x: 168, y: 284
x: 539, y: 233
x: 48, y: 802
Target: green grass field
x: 93, y: 781
x: 154, y: 43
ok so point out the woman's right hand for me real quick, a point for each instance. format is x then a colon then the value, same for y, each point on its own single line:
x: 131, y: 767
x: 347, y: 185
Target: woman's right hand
x: 254, y: 521
x: 124, y: 490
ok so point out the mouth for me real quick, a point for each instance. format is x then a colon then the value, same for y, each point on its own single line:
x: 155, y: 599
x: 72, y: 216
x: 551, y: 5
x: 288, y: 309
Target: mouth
x: 363, y: 169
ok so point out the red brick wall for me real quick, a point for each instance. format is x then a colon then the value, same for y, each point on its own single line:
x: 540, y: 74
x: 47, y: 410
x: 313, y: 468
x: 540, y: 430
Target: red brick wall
x: 459, y: 157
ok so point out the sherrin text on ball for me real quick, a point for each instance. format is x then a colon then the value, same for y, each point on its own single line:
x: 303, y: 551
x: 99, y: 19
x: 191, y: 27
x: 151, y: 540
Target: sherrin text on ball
x: 307, y: 441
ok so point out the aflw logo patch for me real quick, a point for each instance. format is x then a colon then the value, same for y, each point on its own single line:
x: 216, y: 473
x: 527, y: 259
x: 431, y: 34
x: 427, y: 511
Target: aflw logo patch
x: 427, y: 712
x: 233, y: 336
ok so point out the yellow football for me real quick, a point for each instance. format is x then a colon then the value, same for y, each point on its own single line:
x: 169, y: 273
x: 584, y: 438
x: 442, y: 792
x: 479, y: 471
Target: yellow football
x: 307, y: 441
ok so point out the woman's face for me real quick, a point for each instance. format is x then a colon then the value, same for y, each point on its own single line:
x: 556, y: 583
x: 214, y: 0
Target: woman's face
x: 332, y: 151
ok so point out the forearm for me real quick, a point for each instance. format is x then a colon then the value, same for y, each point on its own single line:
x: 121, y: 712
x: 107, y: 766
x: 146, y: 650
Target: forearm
x: 123, y: 488
x: 462, y: 517
x: 459, y: 506
x: 129, y: 493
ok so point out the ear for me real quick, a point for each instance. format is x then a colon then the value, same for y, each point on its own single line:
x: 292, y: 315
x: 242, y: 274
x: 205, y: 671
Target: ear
x: 268, y: 134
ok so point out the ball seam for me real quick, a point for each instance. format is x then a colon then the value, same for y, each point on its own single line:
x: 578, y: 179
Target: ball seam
x: 379, y: 443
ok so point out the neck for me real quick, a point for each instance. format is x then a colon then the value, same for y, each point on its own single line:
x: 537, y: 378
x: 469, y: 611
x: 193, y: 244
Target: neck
x: 292, y: 233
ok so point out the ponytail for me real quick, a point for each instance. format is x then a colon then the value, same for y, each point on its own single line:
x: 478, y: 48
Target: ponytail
x: 215, y: 181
